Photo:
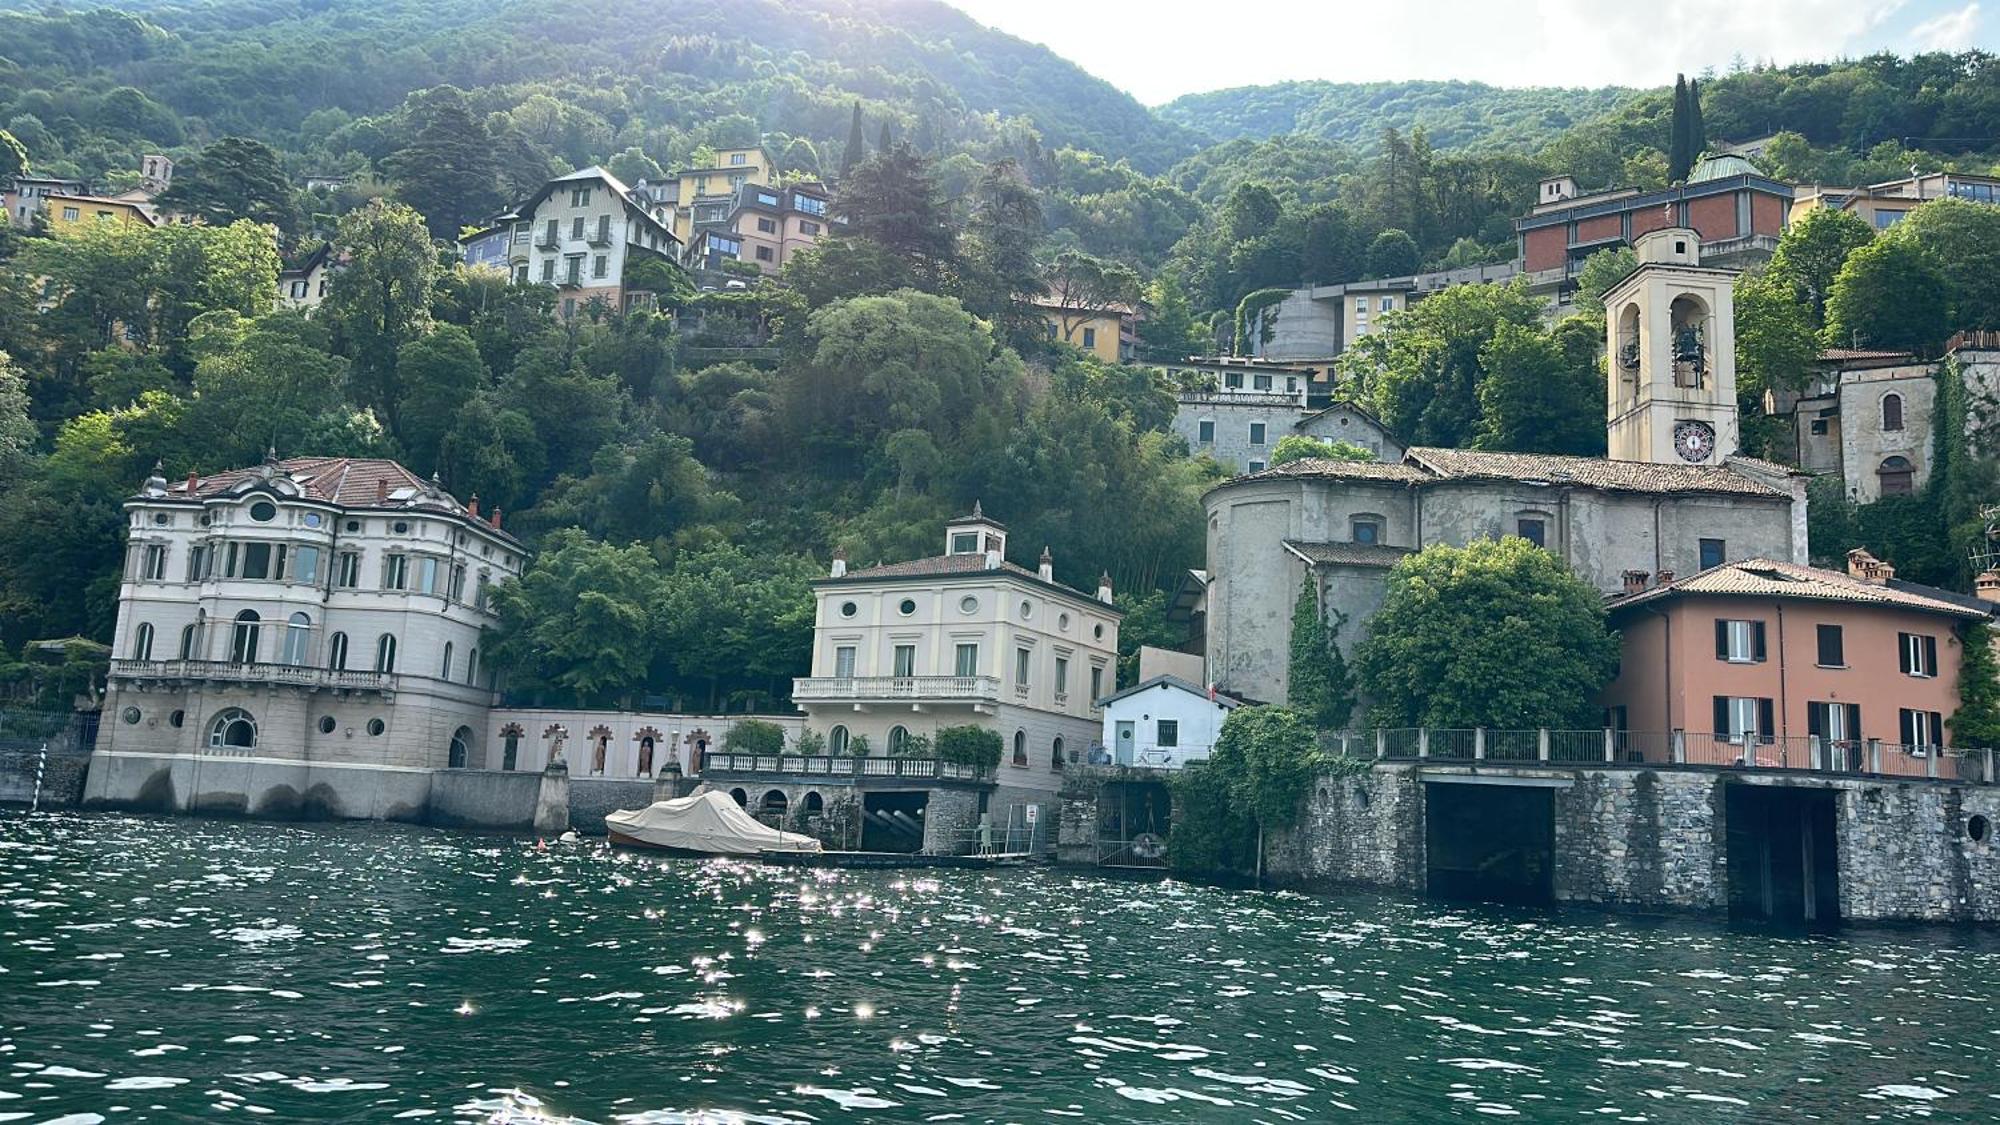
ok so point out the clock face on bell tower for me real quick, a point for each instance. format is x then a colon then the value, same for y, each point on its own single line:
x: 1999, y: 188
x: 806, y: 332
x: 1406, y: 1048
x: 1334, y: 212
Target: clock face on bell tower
x: 1694, y: 441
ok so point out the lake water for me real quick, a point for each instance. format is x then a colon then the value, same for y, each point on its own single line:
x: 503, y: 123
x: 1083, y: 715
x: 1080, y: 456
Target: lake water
x: 163, y: 970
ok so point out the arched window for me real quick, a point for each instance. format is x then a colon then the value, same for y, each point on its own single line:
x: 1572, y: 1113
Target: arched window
x: 1056, y: 755
x: 190, y: 641
x: 740, y: 797
x: 1020, y: 748
x: 336, y: 652
x: 1897, y: 476
x: 243, y: 642
x: 775, y: 803
x: 142, y: 641
x: 233, y: 729
x: 298, y: 630
x: 444, y: 673
x: 510, y: 746
x: 898, y: 737
x: 472, y: 668
x: 836, y: 741
x: 1892, y: 411
x: 461, y: 748
x: 385, y: 653
x: 814, y: 804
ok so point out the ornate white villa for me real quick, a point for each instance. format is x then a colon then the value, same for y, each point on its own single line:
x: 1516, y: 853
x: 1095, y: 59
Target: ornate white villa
x: 963, y: 638
x: 299, y: 638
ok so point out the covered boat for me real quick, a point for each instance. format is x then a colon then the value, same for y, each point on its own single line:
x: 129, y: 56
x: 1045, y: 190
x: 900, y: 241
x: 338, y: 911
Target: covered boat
x: 704, y: 824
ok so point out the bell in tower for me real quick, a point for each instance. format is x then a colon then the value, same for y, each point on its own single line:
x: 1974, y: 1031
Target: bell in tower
x: 1670, y: 325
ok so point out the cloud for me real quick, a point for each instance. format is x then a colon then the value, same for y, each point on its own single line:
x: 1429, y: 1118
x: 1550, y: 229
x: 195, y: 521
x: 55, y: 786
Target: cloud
x: 1947, y: 31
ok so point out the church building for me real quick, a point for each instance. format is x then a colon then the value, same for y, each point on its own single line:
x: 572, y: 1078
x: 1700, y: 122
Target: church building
x: 1674, y: 497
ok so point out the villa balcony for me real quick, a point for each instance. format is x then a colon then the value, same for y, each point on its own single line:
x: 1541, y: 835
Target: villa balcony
x: 807, y: 768
x: 225, y: 671
x: 913, y: 690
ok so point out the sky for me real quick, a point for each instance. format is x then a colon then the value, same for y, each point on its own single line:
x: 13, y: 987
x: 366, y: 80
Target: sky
x: 1159, y: 49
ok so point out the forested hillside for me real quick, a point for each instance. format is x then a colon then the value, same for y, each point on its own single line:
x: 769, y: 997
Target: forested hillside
x: 1470, y: 115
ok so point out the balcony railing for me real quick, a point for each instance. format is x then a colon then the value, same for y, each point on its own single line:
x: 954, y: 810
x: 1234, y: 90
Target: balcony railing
x: 1559, y: 748
x: 823, y: 765
x: 968, y: 689
x: 299, y: 675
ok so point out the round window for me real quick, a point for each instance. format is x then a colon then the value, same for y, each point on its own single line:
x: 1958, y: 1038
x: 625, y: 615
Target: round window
x: 203, y: 521
x: 376, y: 727
x: 1027, y: 610
x: 263, y: 511
x: 353, y: 526
x: 176, y: 718
x: 402, y: 528
x: 968, y: 604
x: 849, y: 609
x: 1097, y: 631
x: 1062, y: 622
x: 314, y: 519
x: 162, y: 518
x: 907, y: 606
x: 1978, y: 829
x: 129, y: 714
x: 326, y: 724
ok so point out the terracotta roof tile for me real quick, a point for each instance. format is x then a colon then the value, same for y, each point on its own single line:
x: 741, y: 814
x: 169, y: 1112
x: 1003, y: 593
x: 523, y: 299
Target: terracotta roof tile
x: 1399, y: 472
x: 1588, y: 472
x: 1768, y: 578
x: 348, y: 482
x: 1348, y: 554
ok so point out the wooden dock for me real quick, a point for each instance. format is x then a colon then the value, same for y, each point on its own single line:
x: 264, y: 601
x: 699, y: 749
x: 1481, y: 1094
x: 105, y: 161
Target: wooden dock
x: 894, y: 859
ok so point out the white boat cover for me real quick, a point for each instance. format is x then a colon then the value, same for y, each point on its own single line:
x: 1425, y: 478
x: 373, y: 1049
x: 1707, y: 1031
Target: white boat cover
x: 706, y: 822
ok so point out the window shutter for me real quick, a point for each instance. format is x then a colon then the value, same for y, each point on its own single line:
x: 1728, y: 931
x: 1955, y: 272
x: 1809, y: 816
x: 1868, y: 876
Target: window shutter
x: 1854, y: 722
x: 1903, y: 654
x: 1757, y: 641
x: 1937, y: 729
x: 1816, y: 719
x: 1721, y: 639
x: 1908, y: 719
x: 1722, y: 716
x: 1767, y: 725
x: 1930, y: 656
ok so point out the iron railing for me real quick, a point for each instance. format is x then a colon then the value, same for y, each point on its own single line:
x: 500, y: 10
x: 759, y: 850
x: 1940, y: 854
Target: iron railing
x: 969, y: 688
x: 299, y: 675
x: 822, y: 765
x: 1666, y: 748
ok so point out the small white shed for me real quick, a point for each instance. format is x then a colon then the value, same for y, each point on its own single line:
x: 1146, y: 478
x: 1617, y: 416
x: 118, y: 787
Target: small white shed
x: 1165, y: 723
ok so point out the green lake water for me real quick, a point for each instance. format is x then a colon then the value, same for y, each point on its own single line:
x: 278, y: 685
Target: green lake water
x: 171, y: 970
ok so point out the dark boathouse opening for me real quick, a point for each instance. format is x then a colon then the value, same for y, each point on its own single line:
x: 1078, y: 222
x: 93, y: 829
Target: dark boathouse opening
x: 893, y: 822
x: 1783, y: 866
x: 1490, y: 842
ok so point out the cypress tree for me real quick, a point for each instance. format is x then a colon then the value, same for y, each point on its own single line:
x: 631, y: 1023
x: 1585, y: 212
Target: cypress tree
x: 851, y: 155
x: 1318, y: 683
x: 1678, y: 158
x: 882, y: 141
x: 1697, y: 131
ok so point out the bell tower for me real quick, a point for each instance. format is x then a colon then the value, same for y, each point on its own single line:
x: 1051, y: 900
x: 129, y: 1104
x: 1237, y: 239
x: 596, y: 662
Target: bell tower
x: 1671, y: 344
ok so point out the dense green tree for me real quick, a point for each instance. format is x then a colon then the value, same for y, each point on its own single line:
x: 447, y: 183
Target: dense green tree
x: 738, y: 625
x: 234, y: 178
x: 1080, y: 288
x: 1888, y: 294
x: 1976, y: 723
x: 1299, y: 447
x: 651, y: 492
x: 1810, y: 253
x: 855, y: 149
x: 631, y: 165
x: 578, y: 627
x: 13, y: 157
x: 1393, y: 254
x: 267, y: 384
x: 1535, y: 399
x: 380, y: 299
x: 448, y: 171
x: 1494, y: 634
x: 1423, y: 370
x: 1776, y: 345
x: 754, y: 736
x: 1001, y: 237
x: 1169, y: 332
x: 892, y: 200
x: 18, y: 434
x: 1317, y: 683
x: 1962, y: 241
x: 438, y: 373
x: 1254, y: 781
x: 1600, y: 272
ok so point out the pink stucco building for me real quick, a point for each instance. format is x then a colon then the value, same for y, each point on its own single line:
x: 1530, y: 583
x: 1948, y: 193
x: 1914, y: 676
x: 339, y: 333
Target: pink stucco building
x: 1815, y: 668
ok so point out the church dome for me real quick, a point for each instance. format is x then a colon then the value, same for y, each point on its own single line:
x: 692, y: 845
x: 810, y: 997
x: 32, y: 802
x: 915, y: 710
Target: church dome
x: 1721, y: 168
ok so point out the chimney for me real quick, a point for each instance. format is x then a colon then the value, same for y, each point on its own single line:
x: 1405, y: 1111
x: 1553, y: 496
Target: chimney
x: 1635, y: 581
x: 1986, y: 587
x: 1104, y: 587
x: 381, y: 490
x: 1866, y: 567
x: 194, y: 483
x: 839, y: 562
x: 472, y: 506
x: 1046, y: 570
x: 495, y: 521
x: 1664, y: 578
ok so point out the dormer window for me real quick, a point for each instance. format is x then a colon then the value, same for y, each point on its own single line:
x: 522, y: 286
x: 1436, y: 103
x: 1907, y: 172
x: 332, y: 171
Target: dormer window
x: 965, y: 543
